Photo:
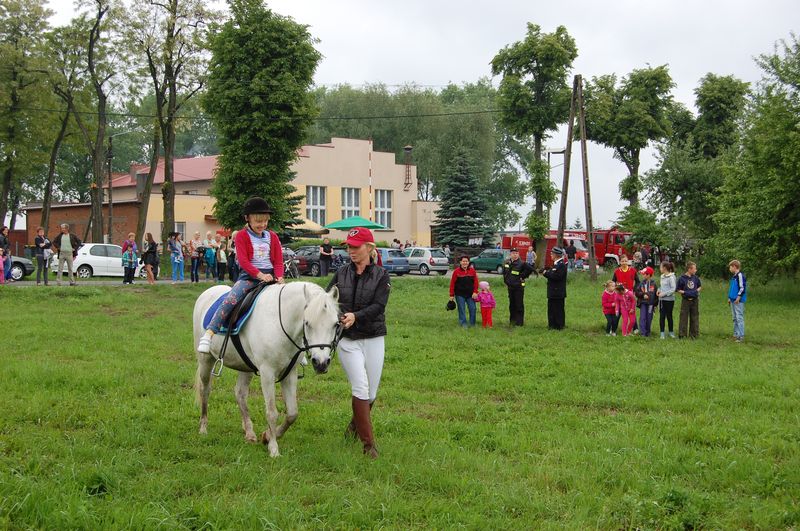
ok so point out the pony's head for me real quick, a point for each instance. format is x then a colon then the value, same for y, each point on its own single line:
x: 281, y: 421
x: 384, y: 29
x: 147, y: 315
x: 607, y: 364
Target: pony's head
x: 321, y: 316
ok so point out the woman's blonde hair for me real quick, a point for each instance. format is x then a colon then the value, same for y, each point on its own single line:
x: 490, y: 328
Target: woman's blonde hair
x: 373, y: 253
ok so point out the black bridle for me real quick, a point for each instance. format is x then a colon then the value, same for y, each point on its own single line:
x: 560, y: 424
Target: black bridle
x: 306, y: 347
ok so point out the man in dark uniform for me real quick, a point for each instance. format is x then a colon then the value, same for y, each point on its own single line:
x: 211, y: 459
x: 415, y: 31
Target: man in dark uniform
x: 515, y: 271
x: 556, y: 290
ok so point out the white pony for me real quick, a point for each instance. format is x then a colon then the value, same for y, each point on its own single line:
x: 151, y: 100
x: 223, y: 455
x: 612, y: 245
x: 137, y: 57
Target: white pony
x: 284, y: 319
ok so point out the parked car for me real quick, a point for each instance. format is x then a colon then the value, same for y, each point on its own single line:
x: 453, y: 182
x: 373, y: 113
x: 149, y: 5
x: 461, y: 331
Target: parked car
x: 21, y: 267
x: 98, y: 260
x: 394, y: 261
x: 307, y: 259
x: 490, y: 260
x: 427, y: 259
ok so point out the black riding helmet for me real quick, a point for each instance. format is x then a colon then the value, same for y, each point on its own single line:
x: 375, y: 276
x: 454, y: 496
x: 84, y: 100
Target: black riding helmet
x: 256, y: 205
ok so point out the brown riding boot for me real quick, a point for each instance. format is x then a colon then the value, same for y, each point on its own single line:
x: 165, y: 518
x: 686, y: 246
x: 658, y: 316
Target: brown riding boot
x: 364, y: 426
x: 350, y: 431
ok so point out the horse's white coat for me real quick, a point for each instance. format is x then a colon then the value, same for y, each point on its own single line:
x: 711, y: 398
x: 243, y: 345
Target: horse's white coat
x: 269, y: 349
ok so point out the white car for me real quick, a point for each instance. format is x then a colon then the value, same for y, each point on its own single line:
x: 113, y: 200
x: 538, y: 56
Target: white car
x: 98, y: 260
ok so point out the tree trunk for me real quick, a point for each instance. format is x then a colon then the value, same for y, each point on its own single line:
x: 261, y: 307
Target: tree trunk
x: 634, y: 198
x: 148, y: 186
x: 168, y: 188
x: 10, y: 140
x: 51, y: 172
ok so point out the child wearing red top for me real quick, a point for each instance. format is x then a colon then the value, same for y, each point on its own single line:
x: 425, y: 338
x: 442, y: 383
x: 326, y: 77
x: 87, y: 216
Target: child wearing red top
x: 625, y: 303
x: 609, y: 310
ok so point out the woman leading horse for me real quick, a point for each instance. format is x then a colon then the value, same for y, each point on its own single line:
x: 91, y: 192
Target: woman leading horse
x: 260, y: 257
x: 363, y: 294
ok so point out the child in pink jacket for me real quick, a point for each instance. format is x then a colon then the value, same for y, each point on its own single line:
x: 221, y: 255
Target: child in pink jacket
x: 488, y: 303
x: 625, y: 302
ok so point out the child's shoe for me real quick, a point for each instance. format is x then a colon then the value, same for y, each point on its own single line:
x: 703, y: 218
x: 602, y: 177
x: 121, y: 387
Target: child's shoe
x: 204, y: 346
x: 663, y: 335
x: 672, y: 335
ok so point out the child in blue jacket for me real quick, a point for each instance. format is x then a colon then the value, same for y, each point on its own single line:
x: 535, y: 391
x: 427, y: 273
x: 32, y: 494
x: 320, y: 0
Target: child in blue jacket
x: 737, y: 295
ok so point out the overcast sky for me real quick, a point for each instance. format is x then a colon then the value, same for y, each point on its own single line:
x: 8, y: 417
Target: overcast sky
x: 433, y: 43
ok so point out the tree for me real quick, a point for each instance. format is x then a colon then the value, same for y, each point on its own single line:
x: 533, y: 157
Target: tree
x: 171, y: 35
x: 757, y: 214
x: 577, y: 225
x: 628, y: 116
x: 643, y: 224
x: 258, y: 98
x: 534, y: 98
x: 462, y: 212
x: 690, y: 171
x: 22, y: 26
x: 104, y: 57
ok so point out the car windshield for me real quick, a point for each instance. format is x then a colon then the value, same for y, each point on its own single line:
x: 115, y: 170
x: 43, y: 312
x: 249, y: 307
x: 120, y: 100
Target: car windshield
x: 438, y: 253
x: 579, y: 245
x: 394, y: 253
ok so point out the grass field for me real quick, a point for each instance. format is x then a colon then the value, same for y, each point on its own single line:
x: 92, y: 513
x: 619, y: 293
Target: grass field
x: 503, y: 428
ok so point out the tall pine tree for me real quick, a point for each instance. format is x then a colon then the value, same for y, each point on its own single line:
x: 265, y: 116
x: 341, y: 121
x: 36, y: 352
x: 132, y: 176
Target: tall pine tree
x: 462, y: 213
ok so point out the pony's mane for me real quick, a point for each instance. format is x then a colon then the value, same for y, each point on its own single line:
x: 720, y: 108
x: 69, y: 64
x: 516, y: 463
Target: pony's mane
x: 318, y: 303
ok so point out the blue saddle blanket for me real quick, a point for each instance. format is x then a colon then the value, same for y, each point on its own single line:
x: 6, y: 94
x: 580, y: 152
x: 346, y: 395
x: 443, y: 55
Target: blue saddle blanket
x: 240, y: 322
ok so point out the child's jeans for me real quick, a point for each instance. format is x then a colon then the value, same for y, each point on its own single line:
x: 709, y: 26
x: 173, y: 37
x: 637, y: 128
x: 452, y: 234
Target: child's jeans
x: 738, y: 319
x: 612, y: 320
x: 645, y: 319
x: 486, y: 317
x: 628, y: 319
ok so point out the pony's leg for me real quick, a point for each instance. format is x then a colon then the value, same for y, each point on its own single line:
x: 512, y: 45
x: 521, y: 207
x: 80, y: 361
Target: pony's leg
x: 241, y: 390
x: 289, y: 390
x: 202, y: 387
x: 270, y: 436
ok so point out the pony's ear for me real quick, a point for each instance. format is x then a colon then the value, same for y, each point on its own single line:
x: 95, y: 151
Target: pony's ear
x: 334, y: 293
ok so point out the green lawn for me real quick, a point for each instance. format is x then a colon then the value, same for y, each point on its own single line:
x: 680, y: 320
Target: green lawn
x: 503, y: 428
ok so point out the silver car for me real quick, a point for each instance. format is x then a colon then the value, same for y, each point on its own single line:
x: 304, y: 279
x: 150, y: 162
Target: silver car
x: 427, y: 259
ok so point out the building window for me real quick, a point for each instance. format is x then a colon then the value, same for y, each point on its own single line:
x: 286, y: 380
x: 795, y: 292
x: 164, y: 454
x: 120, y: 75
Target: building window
x: 180, y: 226
x: 383, y: 207
x: 351, y: 202
x: 315, y: 204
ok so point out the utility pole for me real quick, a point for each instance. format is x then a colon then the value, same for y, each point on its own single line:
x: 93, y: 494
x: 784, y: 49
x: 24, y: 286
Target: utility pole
x: 109, y: 156
x: 576, y: 105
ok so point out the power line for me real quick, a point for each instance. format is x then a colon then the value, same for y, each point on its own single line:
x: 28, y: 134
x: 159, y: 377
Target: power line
x: 290, y: 118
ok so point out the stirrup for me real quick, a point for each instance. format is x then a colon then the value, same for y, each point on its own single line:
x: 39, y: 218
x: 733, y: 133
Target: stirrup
x: 216, y: 370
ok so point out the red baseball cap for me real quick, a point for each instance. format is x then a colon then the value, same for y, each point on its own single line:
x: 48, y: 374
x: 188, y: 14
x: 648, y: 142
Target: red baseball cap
x: 647, y: 271
x: 359, y: 236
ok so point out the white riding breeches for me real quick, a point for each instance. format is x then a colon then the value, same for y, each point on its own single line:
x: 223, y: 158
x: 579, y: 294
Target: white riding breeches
x: 362, y: 361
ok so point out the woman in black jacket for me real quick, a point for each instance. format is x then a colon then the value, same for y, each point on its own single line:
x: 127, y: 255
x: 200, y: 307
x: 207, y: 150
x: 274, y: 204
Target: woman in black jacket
x: 363, y: 294
x: 42, y: 251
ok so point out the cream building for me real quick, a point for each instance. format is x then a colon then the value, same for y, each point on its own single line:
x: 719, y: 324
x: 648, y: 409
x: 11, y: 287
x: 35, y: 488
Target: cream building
x: 340, y: 179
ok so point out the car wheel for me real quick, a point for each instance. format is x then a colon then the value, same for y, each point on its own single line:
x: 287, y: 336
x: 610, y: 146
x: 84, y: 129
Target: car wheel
x: 499, y: 270
x: 17, y: 272
x: 84, y: 271
x: 424, y: 270
x: 314, y: 270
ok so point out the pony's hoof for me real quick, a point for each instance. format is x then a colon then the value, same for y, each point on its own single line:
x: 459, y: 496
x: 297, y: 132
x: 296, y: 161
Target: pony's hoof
x: 251, y: 438
x: 264, y: 438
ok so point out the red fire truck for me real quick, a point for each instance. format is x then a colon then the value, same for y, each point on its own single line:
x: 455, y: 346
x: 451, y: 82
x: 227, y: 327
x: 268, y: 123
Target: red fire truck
x: 609, y: 244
